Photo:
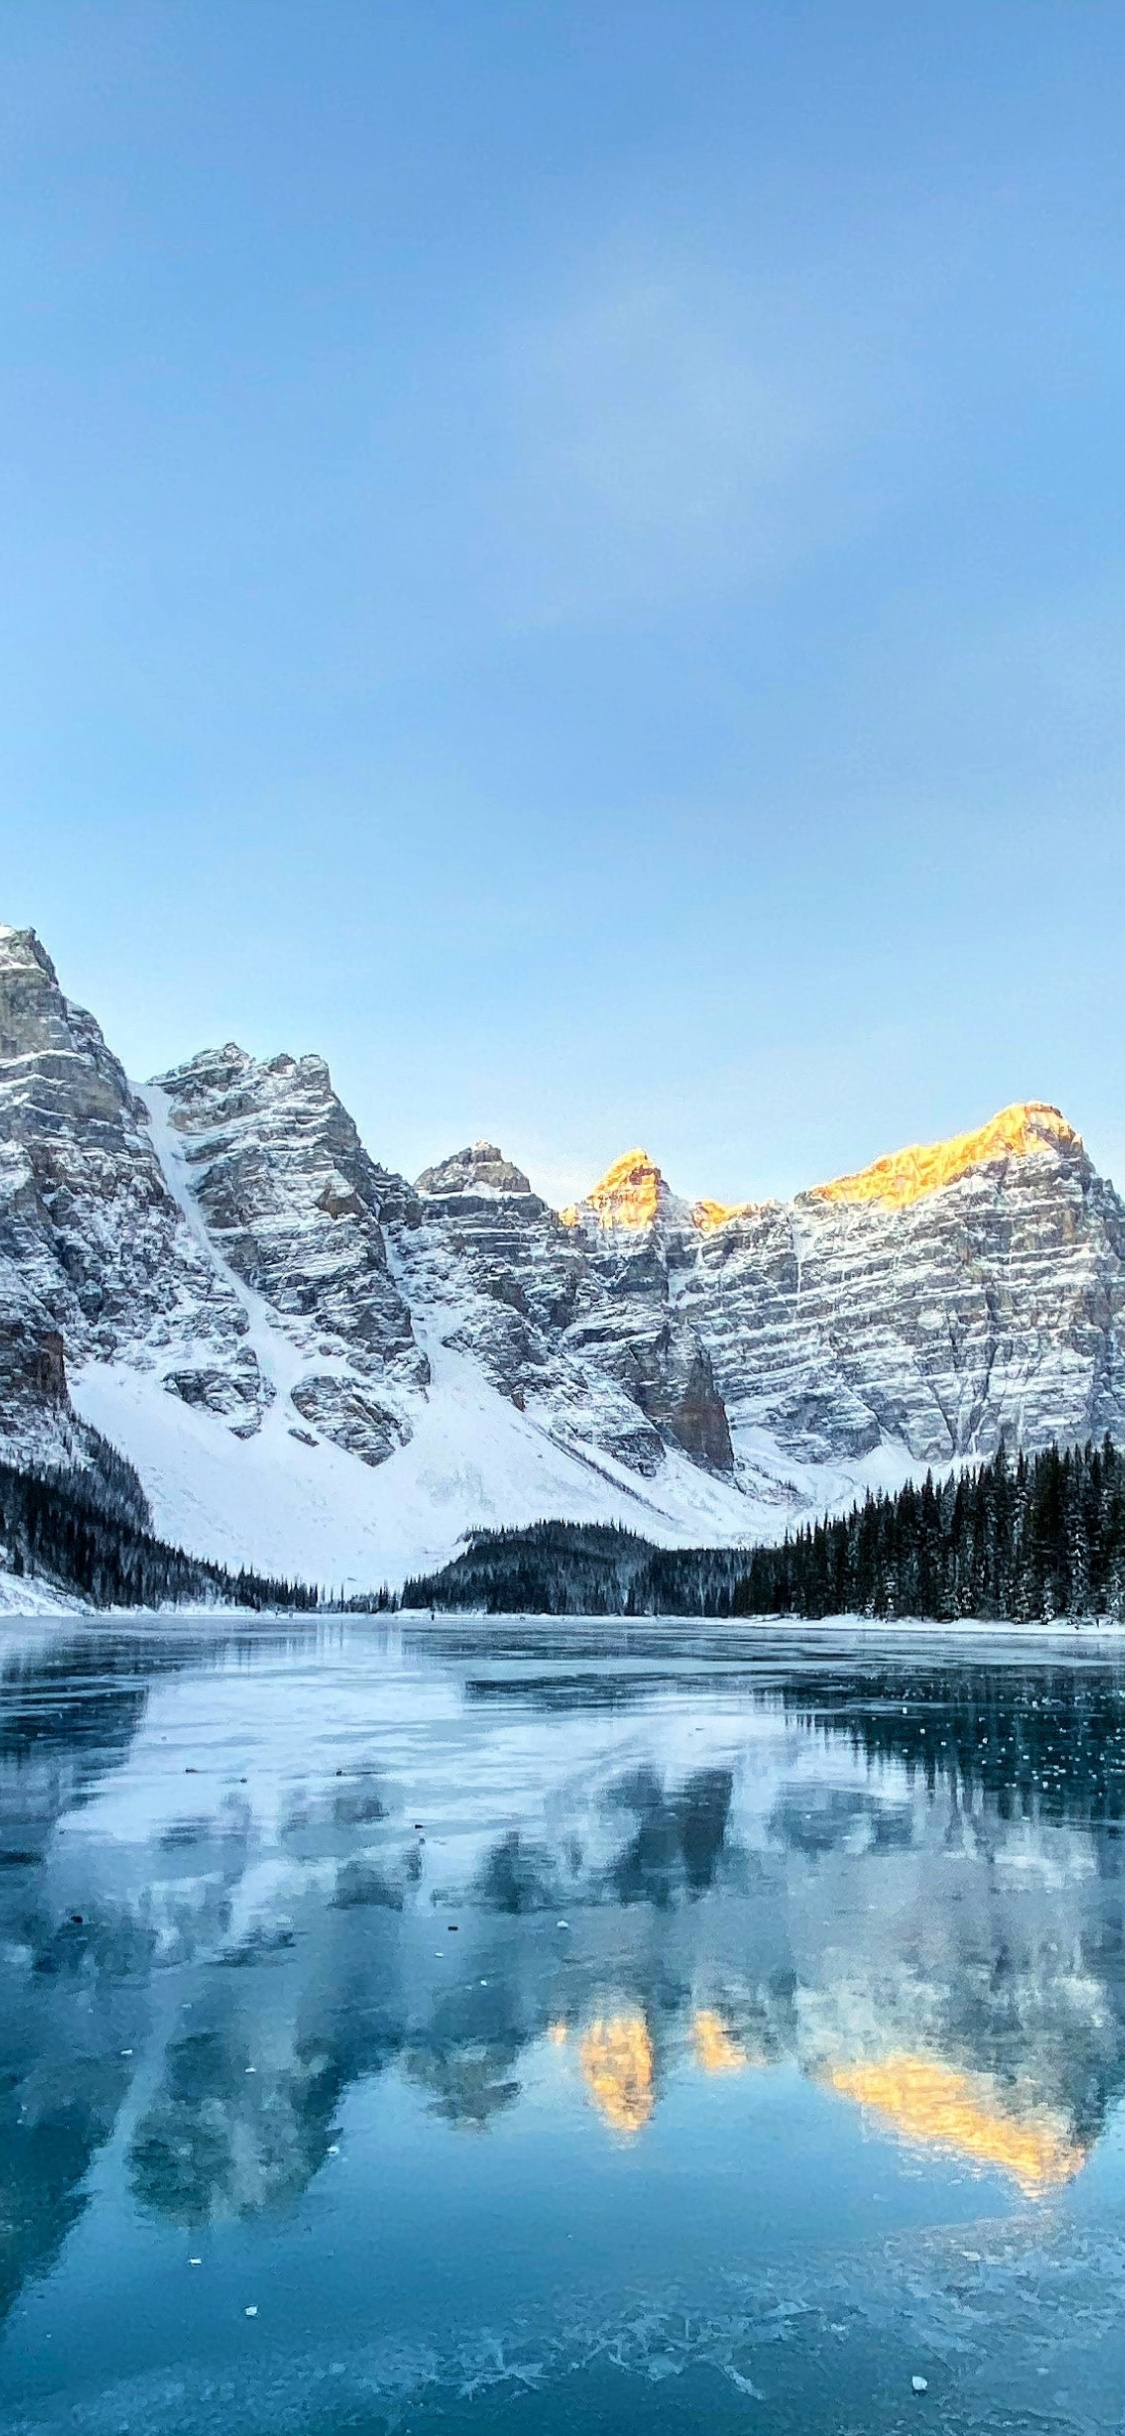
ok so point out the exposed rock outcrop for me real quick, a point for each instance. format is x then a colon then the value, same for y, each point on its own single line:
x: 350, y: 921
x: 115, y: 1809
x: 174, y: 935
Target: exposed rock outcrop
x: 938, y: 1299
x: 631, y: 1199
x: 946, y: 1294
x: 294, y: 1205
x: 108, y: 1256
x: 101, y: 1261
x: 582, y: 1338
x: 482, y: 1168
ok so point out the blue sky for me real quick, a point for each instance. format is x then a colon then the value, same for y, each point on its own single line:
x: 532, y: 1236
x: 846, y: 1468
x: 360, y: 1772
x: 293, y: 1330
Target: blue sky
x: 570, y: 556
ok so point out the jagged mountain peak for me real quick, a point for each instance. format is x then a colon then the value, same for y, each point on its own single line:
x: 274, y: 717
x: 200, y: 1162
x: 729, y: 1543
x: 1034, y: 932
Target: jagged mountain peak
x: 207, y: 1066
x: 709, y: 1216
x: 286, y: 1097
x: 34, y: 1015
x: 480, y: 1168
x: 1025, y: 1130
x: 241, y: 1298
x: 630, y: 1199
x: 24, y: 947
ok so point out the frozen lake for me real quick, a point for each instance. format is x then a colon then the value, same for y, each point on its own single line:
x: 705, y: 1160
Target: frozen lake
x: 523, y: 2027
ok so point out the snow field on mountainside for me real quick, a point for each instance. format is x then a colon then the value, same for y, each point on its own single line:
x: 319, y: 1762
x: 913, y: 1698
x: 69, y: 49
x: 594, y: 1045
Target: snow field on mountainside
x: 317, y: 1513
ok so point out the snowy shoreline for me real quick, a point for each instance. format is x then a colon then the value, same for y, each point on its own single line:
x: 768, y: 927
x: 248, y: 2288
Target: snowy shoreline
x: 21, y: 1602
x: 965, y: 1627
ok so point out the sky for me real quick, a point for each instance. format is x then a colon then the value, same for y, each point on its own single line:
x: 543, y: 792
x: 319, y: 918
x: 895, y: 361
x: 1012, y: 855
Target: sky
x: 569, y: 556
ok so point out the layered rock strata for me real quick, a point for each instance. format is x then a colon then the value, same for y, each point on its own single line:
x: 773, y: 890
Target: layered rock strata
x: 222, y: 1229
x: 295, y: 1209
x: 481, y: 1168
x: 584, y: 1338
x: 227, y: 1232
x: 931, y: 1303
x: 95, y: 1258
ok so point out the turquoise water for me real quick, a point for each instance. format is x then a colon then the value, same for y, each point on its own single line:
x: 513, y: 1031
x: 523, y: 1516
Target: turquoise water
x: 536, y: 2028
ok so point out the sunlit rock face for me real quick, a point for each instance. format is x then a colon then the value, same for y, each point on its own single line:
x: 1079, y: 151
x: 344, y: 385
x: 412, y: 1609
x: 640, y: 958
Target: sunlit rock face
x: 635, y: 1236
x: 501, y: 1277
x: 907, y: 1175
x: 941, y: 1298
x: 946, y: 1295
x: 631, y: 1198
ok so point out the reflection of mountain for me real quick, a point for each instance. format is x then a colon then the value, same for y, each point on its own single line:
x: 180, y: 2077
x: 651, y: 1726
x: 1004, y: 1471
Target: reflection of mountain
x: 677, y: 1841
x: 715, y: 2049
x: 962, y: 2112
x: 617, y: 2067
x: 76, y: 1961
x: 904, y: 1881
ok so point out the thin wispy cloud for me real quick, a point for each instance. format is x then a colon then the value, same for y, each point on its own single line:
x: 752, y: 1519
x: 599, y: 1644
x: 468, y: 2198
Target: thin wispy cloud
x: 668, y: 435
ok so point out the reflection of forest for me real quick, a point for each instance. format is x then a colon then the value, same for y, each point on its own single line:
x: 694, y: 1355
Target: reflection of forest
x: 908, y: 1885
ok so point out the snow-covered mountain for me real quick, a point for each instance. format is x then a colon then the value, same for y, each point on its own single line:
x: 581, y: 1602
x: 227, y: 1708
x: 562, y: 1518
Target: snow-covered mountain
x: 319, y: 1368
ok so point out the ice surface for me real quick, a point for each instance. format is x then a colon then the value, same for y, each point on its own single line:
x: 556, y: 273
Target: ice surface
x: 245, y: 2073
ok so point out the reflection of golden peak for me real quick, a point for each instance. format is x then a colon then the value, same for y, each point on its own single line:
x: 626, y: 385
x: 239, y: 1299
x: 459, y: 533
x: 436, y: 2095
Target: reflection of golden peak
x: 906, y: 1175
x: 966, y: 2113
x: 616, y: 2058
x: 629, y: 1195
x: 715, y: 2049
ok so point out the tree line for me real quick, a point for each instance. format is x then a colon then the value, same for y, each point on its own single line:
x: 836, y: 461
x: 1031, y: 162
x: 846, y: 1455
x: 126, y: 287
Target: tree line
x: 1024, y: 1540
x: 80, y: 1532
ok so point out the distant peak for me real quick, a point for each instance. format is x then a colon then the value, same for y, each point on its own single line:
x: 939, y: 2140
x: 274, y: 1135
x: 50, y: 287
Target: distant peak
x: 20, y: 949
x: 207, y: 1066
x: 480, y: 1168
x: 1029, y: 1126
x: 631, y: 1197
x: 708, y: 1216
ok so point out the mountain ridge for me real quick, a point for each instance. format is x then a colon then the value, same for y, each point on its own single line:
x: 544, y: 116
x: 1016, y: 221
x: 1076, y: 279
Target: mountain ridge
x: 634, y: 1192
x: 322, y: 1368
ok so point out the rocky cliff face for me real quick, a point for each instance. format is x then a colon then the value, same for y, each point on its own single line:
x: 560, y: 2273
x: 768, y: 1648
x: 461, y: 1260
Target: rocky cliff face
x: 95, y: 1259
x: 944, y: 1296
x: 225, y: 1237
x: 482, y: 1168
x: 930, y: 1303
x: 294, y: 1207
x: 581, y: 1335
x: 221, y: 1231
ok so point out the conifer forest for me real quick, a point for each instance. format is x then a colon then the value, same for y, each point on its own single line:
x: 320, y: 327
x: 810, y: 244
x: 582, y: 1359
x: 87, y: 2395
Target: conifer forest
x: 1021, y: 1539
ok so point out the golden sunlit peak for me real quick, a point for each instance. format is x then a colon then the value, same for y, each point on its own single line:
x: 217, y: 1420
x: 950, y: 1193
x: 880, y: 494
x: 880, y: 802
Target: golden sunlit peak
x: 632, y: 1195
x: 616, y: 2060
x: 964, y: 2112
x: 710, y: 1215
x: 906, y: 1175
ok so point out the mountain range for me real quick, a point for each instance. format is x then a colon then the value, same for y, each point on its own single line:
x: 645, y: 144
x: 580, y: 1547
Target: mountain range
x: 321, y: 1369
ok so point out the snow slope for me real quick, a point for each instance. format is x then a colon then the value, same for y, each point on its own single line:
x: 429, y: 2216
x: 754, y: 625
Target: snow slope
x: 283, y: 1505
x: 321, y: 1369
x: 273, y: 1502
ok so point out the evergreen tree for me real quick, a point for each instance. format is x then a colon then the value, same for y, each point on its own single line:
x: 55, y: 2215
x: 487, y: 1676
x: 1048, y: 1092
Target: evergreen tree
x: 79, y: 1531
x: 1040, y: 1538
